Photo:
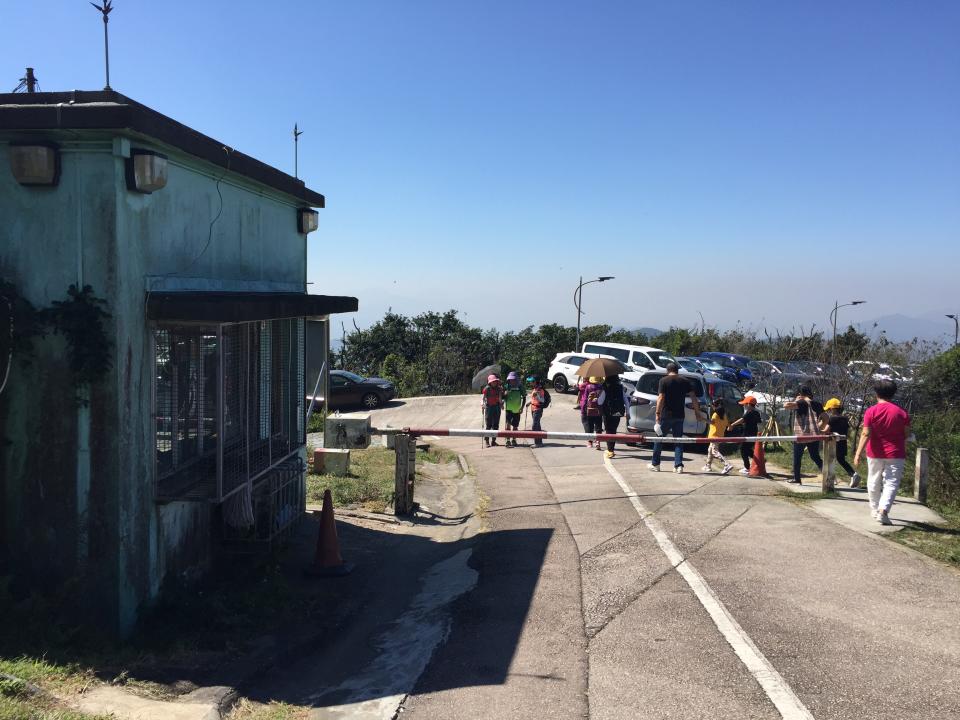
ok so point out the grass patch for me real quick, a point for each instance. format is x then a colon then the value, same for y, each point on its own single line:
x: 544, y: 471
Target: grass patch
x: 249, y: 710
x: 937, y: 542
x: 805, y: 497
x: 370, y: 483
x: 17, y: 702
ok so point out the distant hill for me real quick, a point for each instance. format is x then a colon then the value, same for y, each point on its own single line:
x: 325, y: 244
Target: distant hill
x: 648, y: 331
x: 901, y: 328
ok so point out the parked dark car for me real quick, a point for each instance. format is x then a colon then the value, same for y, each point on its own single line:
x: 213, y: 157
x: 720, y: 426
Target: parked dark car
x: 707, y: 366
x: 348, y: 389
x: 737, y: 363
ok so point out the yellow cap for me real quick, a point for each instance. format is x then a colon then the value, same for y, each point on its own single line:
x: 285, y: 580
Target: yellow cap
x: 832, y: 404
x: 595, y: 379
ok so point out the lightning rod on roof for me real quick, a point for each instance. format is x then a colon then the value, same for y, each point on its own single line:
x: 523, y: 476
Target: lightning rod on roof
x: 296, y: 149
x: 105, y: 10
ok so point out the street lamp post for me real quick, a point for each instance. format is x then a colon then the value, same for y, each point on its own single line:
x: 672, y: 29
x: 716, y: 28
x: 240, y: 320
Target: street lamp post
x: 576, y: 301
x: 956, y: 328
x: 833, y: 321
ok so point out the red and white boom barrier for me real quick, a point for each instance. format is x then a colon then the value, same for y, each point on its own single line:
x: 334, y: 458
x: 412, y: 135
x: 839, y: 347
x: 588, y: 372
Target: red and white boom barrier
x: 599, y: 437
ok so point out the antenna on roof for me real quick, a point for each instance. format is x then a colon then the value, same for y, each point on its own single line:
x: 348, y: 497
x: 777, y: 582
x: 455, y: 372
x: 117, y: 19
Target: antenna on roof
x: 296, y: 149
x: 28, y: 82
x: 105, y: 11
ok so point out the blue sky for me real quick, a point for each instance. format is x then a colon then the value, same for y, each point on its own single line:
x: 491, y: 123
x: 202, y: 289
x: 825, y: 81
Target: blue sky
x: 753, y: 161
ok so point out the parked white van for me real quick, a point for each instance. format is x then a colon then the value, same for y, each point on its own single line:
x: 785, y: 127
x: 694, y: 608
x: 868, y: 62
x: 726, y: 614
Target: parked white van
x: 638, y: 357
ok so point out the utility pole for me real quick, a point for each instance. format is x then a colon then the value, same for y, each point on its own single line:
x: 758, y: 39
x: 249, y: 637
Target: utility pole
x: 28, y: 82
x: 833, y: 321
x: 296, y: 150
x: 576, y: 301
x: 105, y: 10
x: 956, y: 328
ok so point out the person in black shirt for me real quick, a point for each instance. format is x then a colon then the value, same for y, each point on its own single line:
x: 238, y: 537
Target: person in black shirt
x: 839, y: 424
x: 671, y: 410
x: 751, y: 427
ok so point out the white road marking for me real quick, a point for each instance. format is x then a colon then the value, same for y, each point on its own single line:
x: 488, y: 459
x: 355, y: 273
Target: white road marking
x: 772, y: 683
x: 405, y: 650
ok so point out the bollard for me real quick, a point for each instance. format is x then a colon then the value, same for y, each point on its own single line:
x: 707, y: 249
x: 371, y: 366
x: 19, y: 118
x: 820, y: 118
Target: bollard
x: 828, y: 473
x: 920, y: 475
x: 405, y: 472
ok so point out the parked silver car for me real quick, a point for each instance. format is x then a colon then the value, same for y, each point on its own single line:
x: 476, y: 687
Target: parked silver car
x: 643, y: 403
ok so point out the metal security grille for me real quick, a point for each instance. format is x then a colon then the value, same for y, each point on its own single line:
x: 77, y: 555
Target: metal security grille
x: 278, y: 501
x: 229, y: 404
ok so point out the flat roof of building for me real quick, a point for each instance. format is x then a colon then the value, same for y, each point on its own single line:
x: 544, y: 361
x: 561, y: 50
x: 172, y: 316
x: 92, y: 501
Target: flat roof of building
x: 109, y: 110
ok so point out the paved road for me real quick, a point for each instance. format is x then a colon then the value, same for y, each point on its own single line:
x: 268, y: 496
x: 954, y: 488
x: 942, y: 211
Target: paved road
x: 607, y: 591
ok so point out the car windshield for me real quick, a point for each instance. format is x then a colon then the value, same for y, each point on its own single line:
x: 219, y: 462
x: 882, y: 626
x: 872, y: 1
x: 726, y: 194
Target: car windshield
x: 786, y: 366
x: 689, y: 365
x: 711, y: 364
x: 661, y: 358
x: 351, y: 376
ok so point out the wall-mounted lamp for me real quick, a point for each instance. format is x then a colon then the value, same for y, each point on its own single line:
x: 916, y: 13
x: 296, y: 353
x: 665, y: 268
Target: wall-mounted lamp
x: 307, y: 220
x: 146, y: 171
x: 35, y: 164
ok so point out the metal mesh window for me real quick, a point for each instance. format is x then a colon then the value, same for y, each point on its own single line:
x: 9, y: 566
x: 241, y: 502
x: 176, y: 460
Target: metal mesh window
x: 229, y: 404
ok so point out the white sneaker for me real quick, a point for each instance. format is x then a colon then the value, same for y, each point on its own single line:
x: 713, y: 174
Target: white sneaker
x: 744, y: 471
x: 855, y: 480
x: 874, y: 513
x: 655, y: 468
x: 678, y: 469
x: 706, y: 468
x: 726, y: 469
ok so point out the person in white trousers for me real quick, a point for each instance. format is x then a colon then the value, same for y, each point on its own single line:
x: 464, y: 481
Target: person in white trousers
x: 884, y: 436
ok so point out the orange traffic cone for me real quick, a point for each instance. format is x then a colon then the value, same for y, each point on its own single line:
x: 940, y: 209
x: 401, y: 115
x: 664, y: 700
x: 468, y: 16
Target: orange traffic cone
x: 758, y: 468
x: 328, y: 562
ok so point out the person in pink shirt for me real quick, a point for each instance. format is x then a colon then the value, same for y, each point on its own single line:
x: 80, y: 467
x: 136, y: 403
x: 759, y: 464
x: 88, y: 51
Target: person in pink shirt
x: 884, y: 435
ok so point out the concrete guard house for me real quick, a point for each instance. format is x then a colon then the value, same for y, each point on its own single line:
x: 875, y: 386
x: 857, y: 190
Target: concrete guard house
x: 193, y: 444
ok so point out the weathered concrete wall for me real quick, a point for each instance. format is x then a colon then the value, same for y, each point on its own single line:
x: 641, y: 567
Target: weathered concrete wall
x: 59, y: 470
x: 77, y: 484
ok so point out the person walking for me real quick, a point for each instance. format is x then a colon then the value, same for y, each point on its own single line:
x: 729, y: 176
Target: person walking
x: 839, y: 424
x: 614, y: 401
x: 886, y: 426
x: 750, y: 421
x: 589, y: 403
x: 672, y: 393
x: 514, y: 400
x: 807, y: 420
x: 718, y: 429
x: 538, y: 402
x: 492, y: 403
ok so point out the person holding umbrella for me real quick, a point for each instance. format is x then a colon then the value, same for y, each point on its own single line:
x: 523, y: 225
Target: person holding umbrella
x: 614, y: 401
x: 588, y: 401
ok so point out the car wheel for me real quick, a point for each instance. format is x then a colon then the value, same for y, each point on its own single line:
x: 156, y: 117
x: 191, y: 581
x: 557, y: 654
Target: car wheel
x: 560, y: 383
x: 370, y: 401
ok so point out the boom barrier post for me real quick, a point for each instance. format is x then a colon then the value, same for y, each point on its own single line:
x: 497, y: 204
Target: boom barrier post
x: 405, y: 473
x: 920, y: 475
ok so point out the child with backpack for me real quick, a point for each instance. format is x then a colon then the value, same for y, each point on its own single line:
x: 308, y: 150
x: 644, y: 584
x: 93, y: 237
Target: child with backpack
x: 514, y: 400
x: 839, y: 424
x: 614, y: 401
x: 539, y: 401
x: 718, y: 429
x: 589, y: 404
x: 492, y: 402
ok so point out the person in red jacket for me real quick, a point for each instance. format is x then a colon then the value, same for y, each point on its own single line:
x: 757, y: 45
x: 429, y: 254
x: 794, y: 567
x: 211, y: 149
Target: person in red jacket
x: 884, y: 435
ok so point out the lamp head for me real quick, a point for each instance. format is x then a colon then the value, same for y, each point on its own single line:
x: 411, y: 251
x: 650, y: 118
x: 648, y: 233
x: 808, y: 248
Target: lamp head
x: 604, y: 278
x: 952, y: 317
x: 858, y: 302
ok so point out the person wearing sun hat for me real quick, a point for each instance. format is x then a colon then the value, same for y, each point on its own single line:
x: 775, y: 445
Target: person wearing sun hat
x: 588, y: 401
x: 492, y: 394
x: 514, y: 400
x: 839, y: 424
x: 751, y: 427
